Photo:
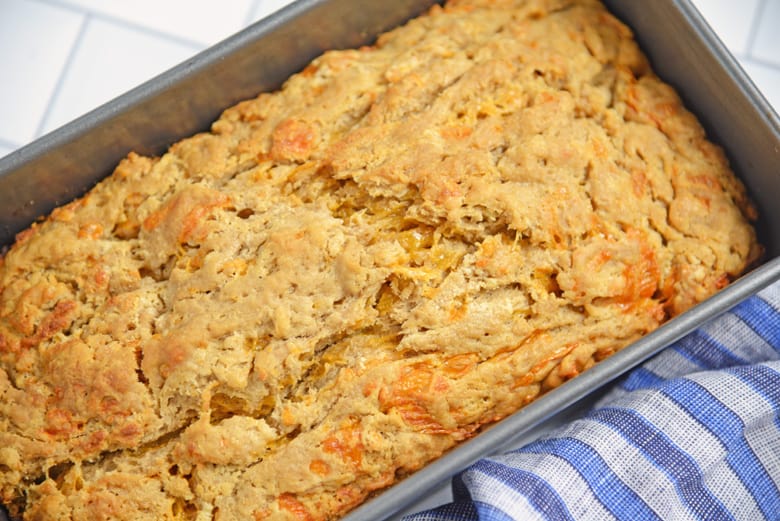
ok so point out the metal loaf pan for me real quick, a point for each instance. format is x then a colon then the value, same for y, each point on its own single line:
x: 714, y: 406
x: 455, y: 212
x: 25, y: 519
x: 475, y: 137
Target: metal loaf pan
x: 682, y: 49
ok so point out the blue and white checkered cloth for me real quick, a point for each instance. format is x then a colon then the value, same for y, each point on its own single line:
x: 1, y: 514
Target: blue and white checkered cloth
x: 694, y: 433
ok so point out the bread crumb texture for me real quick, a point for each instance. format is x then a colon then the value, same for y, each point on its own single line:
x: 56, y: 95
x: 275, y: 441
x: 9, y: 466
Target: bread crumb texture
x: 345, y: 278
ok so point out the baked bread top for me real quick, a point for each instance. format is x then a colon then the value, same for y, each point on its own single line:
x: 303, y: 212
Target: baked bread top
x: 344, y: 278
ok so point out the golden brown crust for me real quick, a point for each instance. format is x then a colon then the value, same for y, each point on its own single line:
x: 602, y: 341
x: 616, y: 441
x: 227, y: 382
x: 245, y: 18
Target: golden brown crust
x: 345, y: 278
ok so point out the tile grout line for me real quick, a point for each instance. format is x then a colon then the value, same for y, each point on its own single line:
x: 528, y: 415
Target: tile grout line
x: 99, y: 15
x: 250, y: 15
x: 9, y: 144
x: 762, y: 62
x: 755, y: 23
x: 747, y: 58
x: 63, y: 73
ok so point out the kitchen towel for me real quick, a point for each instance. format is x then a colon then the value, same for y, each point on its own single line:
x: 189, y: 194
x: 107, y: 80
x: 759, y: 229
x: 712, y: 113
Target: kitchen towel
x: 692, y: 434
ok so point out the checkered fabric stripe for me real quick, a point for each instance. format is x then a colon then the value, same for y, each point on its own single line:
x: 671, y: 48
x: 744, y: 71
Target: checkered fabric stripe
x: 694, y: 433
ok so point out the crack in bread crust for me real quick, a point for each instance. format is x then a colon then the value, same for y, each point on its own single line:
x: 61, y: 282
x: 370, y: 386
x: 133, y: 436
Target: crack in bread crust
x: 349, y: 276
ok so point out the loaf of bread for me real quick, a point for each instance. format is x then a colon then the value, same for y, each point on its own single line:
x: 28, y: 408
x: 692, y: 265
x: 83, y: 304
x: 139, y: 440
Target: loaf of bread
x: 345, y: 278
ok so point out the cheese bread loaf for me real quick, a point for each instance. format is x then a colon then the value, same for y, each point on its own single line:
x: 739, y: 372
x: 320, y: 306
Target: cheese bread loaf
x: 343, y: 279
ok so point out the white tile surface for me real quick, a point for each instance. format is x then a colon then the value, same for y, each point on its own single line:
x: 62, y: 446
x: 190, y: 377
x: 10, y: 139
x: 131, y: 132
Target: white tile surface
x: 110, y: 59
x: 263, y: 8
x: 732, y: 20
x: 202, y: 21
x: 766, y: 44
x: 767, y: 79
x: 35, y: 41
x: 4, y: 150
